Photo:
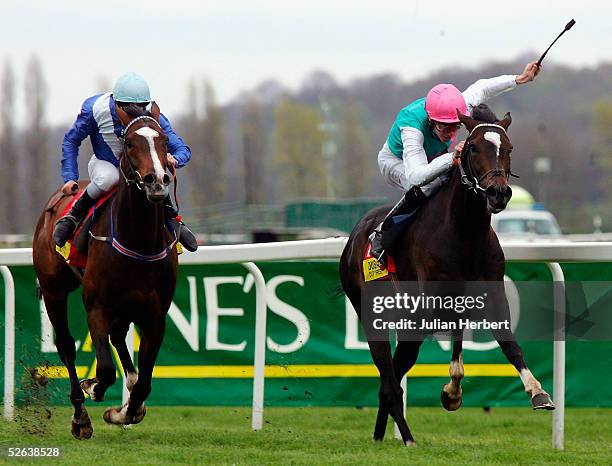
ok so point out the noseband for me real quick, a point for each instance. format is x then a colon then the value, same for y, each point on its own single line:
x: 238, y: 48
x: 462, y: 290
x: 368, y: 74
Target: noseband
x: 469, y: 179
x: 137, y: 180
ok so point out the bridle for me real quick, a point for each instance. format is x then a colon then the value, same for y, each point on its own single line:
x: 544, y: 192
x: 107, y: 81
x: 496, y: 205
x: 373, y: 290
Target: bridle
x: 469, y: 178
x: 137, y: 179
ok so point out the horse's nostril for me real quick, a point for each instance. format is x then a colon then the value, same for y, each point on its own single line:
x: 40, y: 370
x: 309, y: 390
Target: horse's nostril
x: 490, y: 191
x: 149, y: 178
x: 508, y: 192
x: 166, y: 179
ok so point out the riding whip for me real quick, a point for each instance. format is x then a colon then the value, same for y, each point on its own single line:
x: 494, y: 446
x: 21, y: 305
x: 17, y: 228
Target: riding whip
x: 568, y: 26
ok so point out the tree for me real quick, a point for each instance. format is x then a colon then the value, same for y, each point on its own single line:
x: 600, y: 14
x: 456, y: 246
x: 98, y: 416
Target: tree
x: 297, y: 150
x: 353, y: 153
x: 36, y: 147
x: 10, y: 174
x: 253, y: 148
x: 213, y: 156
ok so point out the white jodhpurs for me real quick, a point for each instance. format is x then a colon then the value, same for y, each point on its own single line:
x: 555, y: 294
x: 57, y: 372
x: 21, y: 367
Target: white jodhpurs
x: 392, y: 169
x: 103, y: 175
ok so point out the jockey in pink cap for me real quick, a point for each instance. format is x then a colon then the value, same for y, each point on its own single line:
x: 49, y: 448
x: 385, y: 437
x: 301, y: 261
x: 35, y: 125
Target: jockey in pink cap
x: 416, y: 156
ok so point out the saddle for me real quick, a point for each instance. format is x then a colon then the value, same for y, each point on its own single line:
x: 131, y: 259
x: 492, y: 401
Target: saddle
x: 74, y: 251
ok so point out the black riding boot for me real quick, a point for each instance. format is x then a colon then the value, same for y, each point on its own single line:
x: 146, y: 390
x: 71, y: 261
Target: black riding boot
x: 408, y: 204
x: 184, y: 234
x: 66, y: 226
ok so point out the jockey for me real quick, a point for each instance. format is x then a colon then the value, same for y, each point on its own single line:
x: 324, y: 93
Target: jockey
x: 98, y: 120
x: 416, y: 156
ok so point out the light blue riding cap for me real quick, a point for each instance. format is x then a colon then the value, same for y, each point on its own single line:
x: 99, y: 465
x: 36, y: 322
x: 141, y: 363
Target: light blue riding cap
x: 131, y: 87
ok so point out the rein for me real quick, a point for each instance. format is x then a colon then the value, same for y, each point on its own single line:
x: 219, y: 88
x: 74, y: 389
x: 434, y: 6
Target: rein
x: 471, y: 181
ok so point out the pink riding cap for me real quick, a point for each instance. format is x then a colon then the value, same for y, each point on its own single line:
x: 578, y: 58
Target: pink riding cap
x: 442, y: 103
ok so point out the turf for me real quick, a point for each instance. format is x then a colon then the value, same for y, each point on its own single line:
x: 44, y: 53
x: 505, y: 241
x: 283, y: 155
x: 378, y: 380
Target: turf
x: 186, y: 435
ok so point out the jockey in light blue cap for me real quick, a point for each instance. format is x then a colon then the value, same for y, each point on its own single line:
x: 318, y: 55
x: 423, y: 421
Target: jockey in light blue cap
x: 98, y: 120
x: 131, y: 88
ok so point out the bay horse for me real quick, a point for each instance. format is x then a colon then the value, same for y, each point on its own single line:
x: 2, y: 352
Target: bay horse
x: 130, y: 274
x: 450, y: 239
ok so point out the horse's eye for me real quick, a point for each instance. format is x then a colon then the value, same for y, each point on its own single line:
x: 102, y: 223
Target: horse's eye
x: 128, y: 144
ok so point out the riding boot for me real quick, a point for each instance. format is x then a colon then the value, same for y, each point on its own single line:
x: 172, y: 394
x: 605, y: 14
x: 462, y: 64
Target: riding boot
x: 67, y: 225
x: 408, y: 204
x: 183, y: 233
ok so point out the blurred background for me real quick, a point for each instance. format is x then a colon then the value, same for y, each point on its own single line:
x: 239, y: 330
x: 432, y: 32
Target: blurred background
x: 286, y: 104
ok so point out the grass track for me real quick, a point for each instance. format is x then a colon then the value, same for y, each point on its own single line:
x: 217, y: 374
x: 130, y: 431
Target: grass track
x: 322, y: 436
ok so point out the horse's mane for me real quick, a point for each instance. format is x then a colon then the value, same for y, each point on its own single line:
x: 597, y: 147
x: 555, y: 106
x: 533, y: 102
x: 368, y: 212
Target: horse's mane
x: 484, y: 114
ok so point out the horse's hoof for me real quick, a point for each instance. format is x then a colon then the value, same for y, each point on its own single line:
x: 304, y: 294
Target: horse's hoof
x: 448, y: 403
x: 120, y: 417
x: 542, y: 401
x: 140, y: 414
x: 88, y: 386
x: 410, y: 443
x: 110, y: 415
x: 82, y: 431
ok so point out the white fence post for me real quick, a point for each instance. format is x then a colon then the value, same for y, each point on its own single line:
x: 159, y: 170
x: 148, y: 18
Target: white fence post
x: 558, y: 423
x: 9, y: 343
x: 259, y: 357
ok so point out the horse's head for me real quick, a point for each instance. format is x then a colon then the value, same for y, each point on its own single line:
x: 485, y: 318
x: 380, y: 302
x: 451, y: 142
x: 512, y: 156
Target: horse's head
x: 485, y: 160
x: 144, y: 160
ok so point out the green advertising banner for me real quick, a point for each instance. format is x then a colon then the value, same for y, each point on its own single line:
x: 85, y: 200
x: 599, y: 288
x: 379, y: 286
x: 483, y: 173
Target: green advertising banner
x: 316, y: 352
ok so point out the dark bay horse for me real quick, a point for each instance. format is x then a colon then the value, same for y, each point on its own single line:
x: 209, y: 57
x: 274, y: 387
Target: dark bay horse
x: 130, y: 274
x: 450, y: 239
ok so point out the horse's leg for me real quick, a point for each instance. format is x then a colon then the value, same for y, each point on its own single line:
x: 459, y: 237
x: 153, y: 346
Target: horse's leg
x: 57, y: 310
x: 134, y: 411
x: 404, y: 358
x: 390, y: 394
x: 539, y: 398
x: 513, y: 352
x: 451, y: 392
x: 99, y: 328
x: 117, y: 336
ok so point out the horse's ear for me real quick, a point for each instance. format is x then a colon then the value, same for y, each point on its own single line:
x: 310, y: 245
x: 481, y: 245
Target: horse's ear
x: 124, y: 118
x: 155, y: 111
x: 469, y: 122
x: 506, y: 121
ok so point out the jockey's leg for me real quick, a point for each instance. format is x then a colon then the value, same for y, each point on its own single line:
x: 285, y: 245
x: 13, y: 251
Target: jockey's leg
x: 183, y: 233
x: 104, y: 176
x: 409, y: 203
x: 394, y: 173
x: 66, y: 226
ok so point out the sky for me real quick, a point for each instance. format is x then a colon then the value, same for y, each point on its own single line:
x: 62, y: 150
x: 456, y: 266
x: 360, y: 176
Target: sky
x: 236, y: 44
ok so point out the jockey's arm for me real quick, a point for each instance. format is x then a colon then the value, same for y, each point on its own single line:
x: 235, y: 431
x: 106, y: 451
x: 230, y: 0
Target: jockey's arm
x: 83, y: 126
x: 176, y: 146
x: 418, y: 171
x: 483, y: 89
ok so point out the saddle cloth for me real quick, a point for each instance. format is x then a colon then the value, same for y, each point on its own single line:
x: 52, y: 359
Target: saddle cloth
x: 374, y: 270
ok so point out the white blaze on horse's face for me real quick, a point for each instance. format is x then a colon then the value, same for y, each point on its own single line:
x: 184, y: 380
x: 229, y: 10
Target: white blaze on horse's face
x: 495, y: 139
x: 150, y: 134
